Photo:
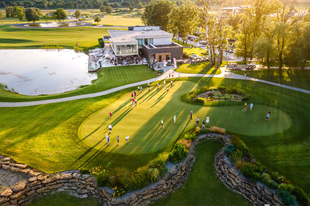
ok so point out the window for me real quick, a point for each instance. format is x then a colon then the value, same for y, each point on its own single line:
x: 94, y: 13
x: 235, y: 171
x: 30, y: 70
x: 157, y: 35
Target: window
x: 159, y: 58
x: 167, y: 57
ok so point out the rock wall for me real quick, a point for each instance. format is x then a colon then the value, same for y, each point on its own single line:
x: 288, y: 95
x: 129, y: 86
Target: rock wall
x: 84, y: 186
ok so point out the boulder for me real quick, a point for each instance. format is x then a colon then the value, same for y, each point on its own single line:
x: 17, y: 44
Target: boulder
x: 6, y: 159
x: 15, y: 169
x: 65, y: 176
x: 174, y: 170
x: 21, y: 166
x: 32, y: 179
x: 82, y: 191
x: 268, y: 191
x: 84, y: 177
x: 116, y: 201
x: 6, y: 167
x: 41, y: 177
x: 25, y: 171
x: 6, y: 193
x: 80, y: 196
x: 34, y: 173
x: 19, y: 186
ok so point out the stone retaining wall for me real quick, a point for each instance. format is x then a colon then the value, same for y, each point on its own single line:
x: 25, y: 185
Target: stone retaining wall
x: 84, y: 186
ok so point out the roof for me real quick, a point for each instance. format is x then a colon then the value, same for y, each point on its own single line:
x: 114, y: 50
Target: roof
x: 232, y: 8
x: 121, y: 36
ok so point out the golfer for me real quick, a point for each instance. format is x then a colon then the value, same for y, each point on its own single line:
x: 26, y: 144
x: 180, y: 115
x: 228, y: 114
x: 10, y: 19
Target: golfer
x: 138, y: 89
x: 136, y: 101
x: 203, y: 125
x: 106, y: 137
x: 135, y: 94
x: 157, y: 85
x: 167, y: 89
x: 141, y: 88
x: 133, y: 104
x: 108, y: 141
x: 191, y: 114
x: 127, y: 139
x: 149, y: 86
x: 268, y: 116
x: 245, y: 106
x: 251, y: 106
x: 110, y: 113
x: 171, y: 83
x: 131, y: 94
x: 164, y: 82
x: 208, y: 119
x: 197, y: 120
x: 162, y: 123
x: 110, y: 128
x: 175, y: 119
x: 117, y: 139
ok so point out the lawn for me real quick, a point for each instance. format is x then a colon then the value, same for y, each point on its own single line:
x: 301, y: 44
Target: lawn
x: 17, y: 38
x: 196, y: 50
x: 14, y: 20
x: 199, y: 68
x: 121, y: 19
x: 108, y: 78
x: 181, y: 43
x: 63, y: 199
x: 203, y: 186
x: 295, y: 77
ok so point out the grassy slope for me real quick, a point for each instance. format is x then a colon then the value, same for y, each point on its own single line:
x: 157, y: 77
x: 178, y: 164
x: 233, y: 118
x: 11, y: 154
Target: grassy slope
x: 196, y: 50
x: 199, y: 68
x: 87, y: 37
x: 203, y: 187
x: 63, y: 199
x: 296, y: 78
x: 108, y: 78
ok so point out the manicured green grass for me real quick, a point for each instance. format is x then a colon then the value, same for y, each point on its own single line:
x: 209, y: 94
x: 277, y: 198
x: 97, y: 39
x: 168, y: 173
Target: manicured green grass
x: 199, y: 68
x: 196, y: 50
x: 295, y: 77
x: 87, y: 37
x: 203, y: 186
x: 181, y: 42
x: 63, y: 199
x: 108, y: 78
x: 121, y: 20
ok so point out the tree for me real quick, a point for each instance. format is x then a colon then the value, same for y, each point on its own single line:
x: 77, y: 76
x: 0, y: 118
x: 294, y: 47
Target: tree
x: 20, y: 13
x: 105, y: 3
x: 60, y: 14
x: 130, y: 8
x: 139, y: 6
x: 109, y: 10
x: 126, y: 4
x: 77, y: 14
x: 0, y: 13
x: 2, y: 4
x: 156, y: 13
x: 115, y: 5
x: 45, y: 18
x: 32, y: 14
x: 102, y: 8
x: 9, y: 11
x: 97, y: 19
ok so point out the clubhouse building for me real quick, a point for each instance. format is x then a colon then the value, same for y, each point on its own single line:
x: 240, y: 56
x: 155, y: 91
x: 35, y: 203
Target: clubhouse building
x: 149, y: 42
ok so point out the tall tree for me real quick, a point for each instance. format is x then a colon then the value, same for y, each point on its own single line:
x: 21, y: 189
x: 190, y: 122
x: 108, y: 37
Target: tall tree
x: 60, y: 14
x: 139, y: 6
x: 20, y: 13
x: 32, y: 14
x: 2, y: 4
x: 77, y: 14
x: 102, y: 8
x: 1, y: 14
x: 156, y: 13
x: 109, y: 10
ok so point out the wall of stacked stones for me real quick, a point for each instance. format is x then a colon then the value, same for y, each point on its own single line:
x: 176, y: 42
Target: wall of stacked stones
x: 84, y: 186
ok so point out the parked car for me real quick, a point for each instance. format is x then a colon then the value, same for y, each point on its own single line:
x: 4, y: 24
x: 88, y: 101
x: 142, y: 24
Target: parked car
x: 203, y: 42
x: 230, y: 51
x: 169, y: 63
x: 196, y: 57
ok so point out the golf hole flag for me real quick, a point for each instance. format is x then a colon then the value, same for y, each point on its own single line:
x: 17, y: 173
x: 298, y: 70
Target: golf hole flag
x: 175, y: 62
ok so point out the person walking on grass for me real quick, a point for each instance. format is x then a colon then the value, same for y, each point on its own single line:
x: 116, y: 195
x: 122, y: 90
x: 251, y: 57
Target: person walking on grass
x: 138, y: 90
x: 191, y: 114
x: 136, y: 101
x: 141, y: 88
x: 106, y: 137
x: 164, y: 82
x: 268, y: 116
x: 149, y: 86
x: 208, y: 119
x: 175, y: 119
x: 157, y: 85
x: 133, y: 104
x: 162, y: 123
x: 135, y: 93
x: 203, y: 125
x: 110, y: 113
x: 127, y: 139
x: 108, y: 140
x: 251, y: 106
x: 131, y: 95
x: 110, y: 128
x: 197, y: 120
x: 117, y: 139
x: 245, y: 106
x: 171, y: 83
x: 245, y: 74
x: 167, y: 89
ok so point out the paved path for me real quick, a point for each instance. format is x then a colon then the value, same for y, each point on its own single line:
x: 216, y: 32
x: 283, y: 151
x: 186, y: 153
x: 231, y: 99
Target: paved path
x: 167, y: 70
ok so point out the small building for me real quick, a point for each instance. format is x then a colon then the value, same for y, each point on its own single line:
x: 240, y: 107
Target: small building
x: 148, y: 41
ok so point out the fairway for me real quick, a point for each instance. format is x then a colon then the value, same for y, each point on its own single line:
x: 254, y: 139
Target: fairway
x: 142, y: 123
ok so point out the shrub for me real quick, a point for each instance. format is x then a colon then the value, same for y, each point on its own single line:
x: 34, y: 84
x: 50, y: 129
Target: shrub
x: 140, y: 178
x: 266, y: 179
x: 229, y: 150
x: 257, y: 167
x: 301, y: 197
x: 217, y: 130
x: 235, y: 140
x: 160, y: 161
x: 178, y: 153
x: 276, y: 177
x: 102, y: 176
x: 185, y: 55
x: 186, y: 143
x: 83, y: 170
x: 286, y: 197
x: 190, y: 136
x: 239, y: 164
x: 287, y: 187
x: 155, y: 172
x: 245, y: 97
x: 250, y: 173
x: 238, y: 155
x: 119, y: 191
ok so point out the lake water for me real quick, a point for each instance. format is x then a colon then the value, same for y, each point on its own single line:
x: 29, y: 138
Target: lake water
x: 55, y: 24
x: 39, y: 71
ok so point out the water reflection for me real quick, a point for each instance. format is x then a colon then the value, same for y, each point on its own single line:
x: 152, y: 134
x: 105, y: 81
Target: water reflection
x: 55, y: 24
x: 35, y: 72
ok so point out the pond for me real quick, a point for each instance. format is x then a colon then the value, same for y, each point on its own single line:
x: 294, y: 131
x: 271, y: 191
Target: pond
x: 55, y: 24
x: 40, y: 71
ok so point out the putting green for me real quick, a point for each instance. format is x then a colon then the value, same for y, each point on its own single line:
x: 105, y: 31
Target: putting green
x: 142, y: 123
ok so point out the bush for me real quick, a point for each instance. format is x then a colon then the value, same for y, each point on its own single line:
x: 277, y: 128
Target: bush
x: 235, y: 140
x: 287, y: 187
x: 301, y: 197
x: 102, y: 176
x: 246, y: 97
x: 186, y: 143
x: 160, y: 161
x: 178, y: 153
x: 276, y: 177
x: 250, y: 173
x: 257, y: 167
x: 229, y: 150
x: 190, y: 136
x: 286, y: 197
x: 239, y: 164
x: 83, y: 170
x: 215, y: 129
x: 266, y: 179
x: 185, y: 55
x: 140, y: 178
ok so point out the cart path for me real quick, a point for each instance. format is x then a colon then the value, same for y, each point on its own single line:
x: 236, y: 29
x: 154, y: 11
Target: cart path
x: 224, y: 74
